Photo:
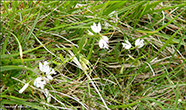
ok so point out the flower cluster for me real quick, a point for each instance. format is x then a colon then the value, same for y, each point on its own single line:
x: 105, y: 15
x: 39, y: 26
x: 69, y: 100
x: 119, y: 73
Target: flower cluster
x: 40, y: 82
x: 138, y: 43
x: 45, y: 68
x: 103, y: 42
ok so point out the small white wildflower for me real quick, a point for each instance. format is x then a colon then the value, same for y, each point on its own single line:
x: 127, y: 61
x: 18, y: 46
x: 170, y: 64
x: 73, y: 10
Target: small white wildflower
x: 179, y: 100
x: 127, y: 45
x: 52, y: 72
x: 139, y: 43
x: 44, y: 67
x: 103, y: 44
x: 90, y: 33
x: 40, y: 82
x: 23, y: 88
x: 49, y: 74
x: 49, y: 77
x: 46, y: 93
x: 96, y: 28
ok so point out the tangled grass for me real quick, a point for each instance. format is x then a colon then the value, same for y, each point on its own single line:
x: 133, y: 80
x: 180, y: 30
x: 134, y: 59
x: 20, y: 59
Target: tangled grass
x: 88, y: 77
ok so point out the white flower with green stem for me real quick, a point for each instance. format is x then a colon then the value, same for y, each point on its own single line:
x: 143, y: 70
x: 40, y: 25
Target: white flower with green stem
x: 45, y: 68
x: 127, y: 45
x: 40, y: 82
x: 103, y: 42
x: 139, y: 43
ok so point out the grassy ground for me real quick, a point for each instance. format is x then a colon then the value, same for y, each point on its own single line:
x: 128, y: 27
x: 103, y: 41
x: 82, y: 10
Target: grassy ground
x: 88, y: 77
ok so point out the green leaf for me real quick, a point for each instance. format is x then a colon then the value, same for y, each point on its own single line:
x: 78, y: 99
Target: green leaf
x: 177, y: 96
x: 27, y: 18
x: 81, y: 43
x: 122, y: 10
x: 113, y: 5
x: 166, y: 43
x: 33, y: 26
x: 16, y: 54
x: 4, y: 45
x: 91, y: 49
x: 165, y: 36
x: 76, y: 53
x: 69, y: 25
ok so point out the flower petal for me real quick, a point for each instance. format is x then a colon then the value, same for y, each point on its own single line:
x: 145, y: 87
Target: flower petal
x: 95, y: 28
x: 40, y: 82
x: 127, y: 45
x: 45, y: 63
x: 94, y: 24
x: 53, y: 72
x: 41, y: 66
x: 105, y: 38
x: 49, y: 77
x: 47, y: 69
x: 139, y: 43
x: 103, y: 44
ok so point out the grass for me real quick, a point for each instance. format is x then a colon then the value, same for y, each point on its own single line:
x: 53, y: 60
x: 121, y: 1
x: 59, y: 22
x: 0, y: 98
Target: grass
x: 88, y: 77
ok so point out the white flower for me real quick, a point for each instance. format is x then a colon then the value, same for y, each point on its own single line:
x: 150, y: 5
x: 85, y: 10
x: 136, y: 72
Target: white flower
x: 40, y: 82
x: 90, y: 33
x: 103, y: 44
x: 49, y: 77
x: 24, y: 88
x: 179, y: 100
x: 95, y: 28
x: 127, y: 45
x: 46, y: 93
x: 52, y: 72
x: 139, y: 43
x: 49, y: 74
x: 45, y: 67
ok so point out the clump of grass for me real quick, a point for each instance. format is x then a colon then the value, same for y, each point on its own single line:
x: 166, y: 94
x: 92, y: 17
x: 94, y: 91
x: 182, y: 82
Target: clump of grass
x: 89, y: 77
